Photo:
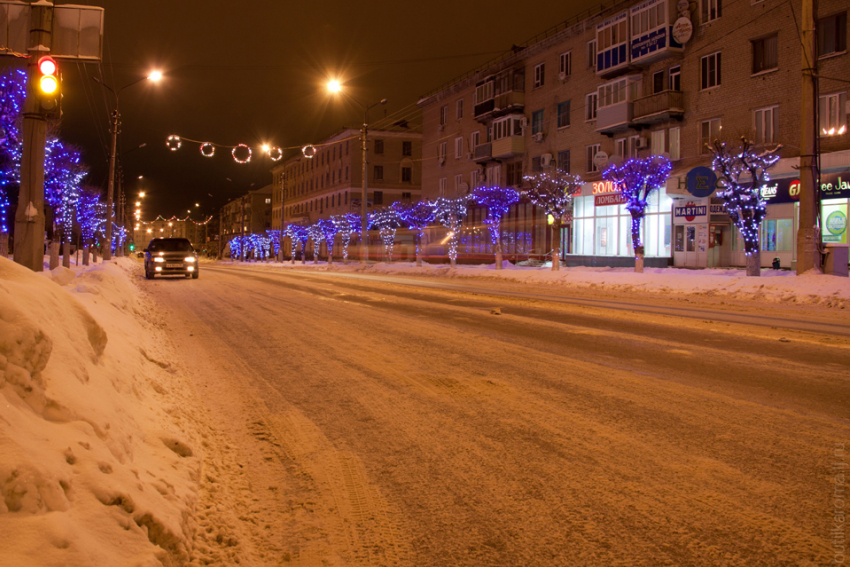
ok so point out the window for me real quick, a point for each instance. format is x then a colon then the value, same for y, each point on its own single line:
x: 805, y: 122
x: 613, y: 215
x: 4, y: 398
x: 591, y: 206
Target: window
x: 832, y: 35
x: 539, y: 75
x: 346, y: 173
x: 405, y: 197
x: 458, y: 183
x: 564, y: 161
x: 407, y: 148
x: 484, y: 92
x: 406, y: 174
x: 709, y: 130
x: 379, y: 147
x: 443, y: 187
x: 620, y: 147
x: 268, y: 201
x: 674, y: 78
x: 474, y: 140
x: 765, y: 124
x: 459, y: 109
x: 675, y: 151
x: 444, y: 115
x: 765, y: 53
x: 346, y: 147
x: 710, y: 10
x: 590, y: 106
x: 442, y: 150
x: 537, y: 122
x: 565, y: 64
x: 591, y: 151
x: 378, y: 198
x: 710, y: 65
x: 459, y: 147
x: 658, y: 81
x: 832, y: 109
x: 514, y: 171
x: 634, y: 141
x: 535, y: 164
x: 379, y: 173
x: 658, y: 139
x: 591, y: 53
x: 510, y: 125
x: 474, y: 178
x: 648, y: 19
x: 564, y: 114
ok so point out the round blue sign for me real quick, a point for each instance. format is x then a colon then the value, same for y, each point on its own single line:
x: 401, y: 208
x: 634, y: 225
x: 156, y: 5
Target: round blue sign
x: 702, y: 182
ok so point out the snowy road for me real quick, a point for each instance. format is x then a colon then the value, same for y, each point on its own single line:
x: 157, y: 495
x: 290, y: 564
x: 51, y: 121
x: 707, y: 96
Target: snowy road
x: 371, y: 422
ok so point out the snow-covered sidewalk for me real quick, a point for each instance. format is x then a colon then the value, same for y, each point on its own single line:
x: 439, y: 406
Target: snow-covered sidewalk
x: 773, y: 286
x: 98, y: 457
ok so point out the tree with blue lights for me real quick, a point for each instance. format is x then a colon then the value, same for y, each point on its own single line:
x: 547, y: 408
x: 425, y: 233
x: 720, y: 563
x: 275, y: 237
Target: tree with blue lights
x: 387, y: 221
x: 298, y: 233
x: 87, y: 217
x: 742, y: 173
x: 236, y: 244
x: 274, y: 238
x: 450, y: 213
x: 636, y: 180
x: 417, y: 216
x: 13, y: 88
x: 554, y: 193
x: 317, y: 236
x: 63, y: 175
x: 329, y: 230
x: 498, y: 201
x: 346, y: 225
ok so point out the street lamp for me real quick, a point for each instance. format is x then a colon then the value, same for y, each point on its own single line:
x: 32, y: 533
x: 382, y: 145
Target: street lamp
x: 110, y: 188
x: 335, y: 86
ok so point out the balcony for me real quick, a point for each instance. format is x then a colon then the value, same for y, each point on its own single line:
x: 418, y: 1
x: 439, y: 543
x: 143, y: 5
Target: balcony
x: 508, y: 102
x: 659, y: 107
x: 483, y: 152
x: 484, y: 110
x: 508, y: 147
x: 615, y: 117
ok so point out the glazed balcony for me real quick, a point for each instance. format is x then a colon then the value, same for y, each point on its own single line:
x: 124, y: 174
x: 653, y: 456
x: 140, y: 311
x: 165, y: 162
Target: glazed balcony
x: 659, y: 107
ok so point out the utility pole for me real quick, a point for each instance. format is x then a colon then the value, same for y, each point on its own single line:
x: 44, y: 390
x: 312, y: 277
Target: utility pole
x: 29, y: 218
x: 110, y: 186
x: 364, y: 215
x: 808, y: 237
x: 242, y: 229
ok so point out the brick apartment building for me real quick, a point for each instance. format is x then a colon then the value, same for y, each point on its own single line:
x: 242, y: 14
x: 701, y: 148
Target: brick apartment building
x: 621, y: 82
x: 329, y: 183
x: 255, y: 210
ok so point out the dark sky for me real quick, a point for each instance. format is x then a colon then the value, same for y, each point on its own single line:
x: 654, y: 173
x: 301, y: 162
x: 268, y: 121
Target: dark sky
x: 254, y: 71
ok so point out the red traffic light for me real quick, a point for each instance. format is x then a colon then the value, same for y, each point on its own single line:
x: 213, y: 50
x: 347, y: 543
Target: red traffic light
x: 47, y: 65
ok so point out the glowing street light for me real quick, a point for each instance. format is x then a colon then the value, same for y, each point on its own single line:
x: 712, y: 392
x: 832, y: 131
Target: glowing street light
x: 155, y: 76
x: 334, y: 86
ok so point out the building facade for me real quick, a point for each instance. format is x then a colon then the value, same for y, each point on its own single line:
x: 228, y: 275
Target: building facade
x: 330, y: 182
x: 655, y: 77
x: 249, y: 214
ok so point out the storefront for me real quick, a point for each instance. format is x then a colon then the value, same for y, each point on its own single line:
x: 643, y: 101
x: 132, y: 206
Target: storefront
x: 705, y: 238
x: 601, y: 228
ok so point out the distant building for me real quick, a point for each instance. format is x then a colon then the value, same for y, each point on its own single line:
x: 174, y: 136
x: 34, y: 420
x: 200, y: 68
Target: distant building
x: 253, y: 209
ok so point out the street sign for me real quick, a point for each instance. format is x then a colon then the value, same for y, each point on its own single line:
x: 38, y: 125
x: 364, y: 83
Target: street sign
x: 14, y: 27
x: 701, y: 182
x: 77, y: 32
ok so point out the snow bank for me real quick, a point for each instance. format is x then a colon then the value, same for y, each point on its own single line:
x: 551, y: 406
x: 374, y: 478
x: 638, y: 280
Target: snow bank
x: 96, y: 464
x: 774, y: 285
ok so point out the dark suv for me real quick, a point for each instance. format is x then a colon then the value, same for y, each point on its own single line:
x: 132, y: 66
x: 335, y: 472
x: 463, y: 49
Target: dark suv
x: 170, y: 257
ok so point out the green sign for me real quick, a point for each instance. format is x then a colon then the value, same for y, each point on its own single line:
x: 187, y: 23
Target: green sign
x: 836, y: 227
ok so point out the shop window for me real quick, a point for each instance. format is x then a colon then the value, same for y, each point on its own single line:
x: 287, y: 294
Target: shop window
x: 777, y: 235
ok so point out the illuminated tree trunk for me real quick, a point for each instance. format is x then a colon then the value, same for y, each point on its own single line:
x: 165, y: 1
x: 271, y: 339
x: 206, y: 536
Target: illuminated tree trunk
x: 86, y: 246
x: 636, y: 243
x: 66, y: 253
x: 330, y: 248
x: 754, y: 264
x: 556, y: 245
x: 4, y: 244
x: 346, y: 239
x: 54, y: 254
x: 419, y: 249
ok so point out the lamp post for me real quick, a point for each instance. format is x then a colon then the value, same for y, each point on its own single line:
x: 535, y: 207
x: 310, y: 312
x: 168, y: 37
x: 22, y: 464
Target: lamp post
x: 122, y: 205
x: 110, y: 187
x: 335, y: 87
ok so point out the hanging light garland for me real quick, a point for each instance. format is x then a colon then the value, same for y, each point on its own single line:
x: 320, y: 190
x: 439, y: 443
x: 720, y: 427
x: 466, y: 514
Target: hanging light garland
x: 309, y: 151
x: 275, y: 154
x: 207, y: 149
x: 173, y: 143
x: 236, y: 159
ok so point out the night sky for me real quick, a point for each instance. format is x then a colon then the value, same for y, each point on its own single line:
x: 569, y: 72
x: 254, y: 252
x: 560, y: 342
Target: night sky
x: 255, y: 71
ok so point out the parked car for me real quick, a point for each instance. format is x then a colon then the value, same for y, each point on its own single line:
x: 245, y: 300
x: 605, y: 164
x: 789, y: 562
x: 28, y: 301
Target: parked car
x: 170, y: 257
x: 140, y: 254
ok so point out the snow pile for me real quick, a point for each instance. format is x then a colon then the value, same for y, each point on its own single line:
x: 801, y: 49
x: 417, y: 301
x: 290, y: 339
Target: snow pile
x: 774, y: 286
x: 95, y: 466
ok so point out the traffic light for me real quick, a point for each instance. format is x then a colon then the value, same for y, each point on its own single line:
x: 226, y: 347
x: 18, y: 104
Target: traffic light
x: 132, y: 247
x: 48, y: 84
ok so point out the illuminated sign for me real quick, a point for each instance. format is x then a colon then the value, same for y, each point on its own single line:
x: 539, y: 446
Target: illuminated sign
x: 604, y: 200
x: 690, y: 211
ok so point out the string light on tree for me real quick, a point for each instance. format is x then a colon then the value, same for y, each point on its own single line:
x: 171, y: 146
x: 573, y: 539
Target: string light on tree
x: 13, y: 87
x: 742, y: 174
x: 387, y: 221
x: 417, y: 216
x: 637, y: 179
x: 553, y: 192
x: 346, y: 225
x: 298, y: 233
x: 329, y: 229
x: 498, y: 201
x: 450, y: 213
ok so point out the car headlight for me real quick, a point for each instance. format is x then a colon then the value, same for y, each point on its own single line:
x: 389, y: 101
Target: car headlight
x: 158, y: 259
x: 189, y: 258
